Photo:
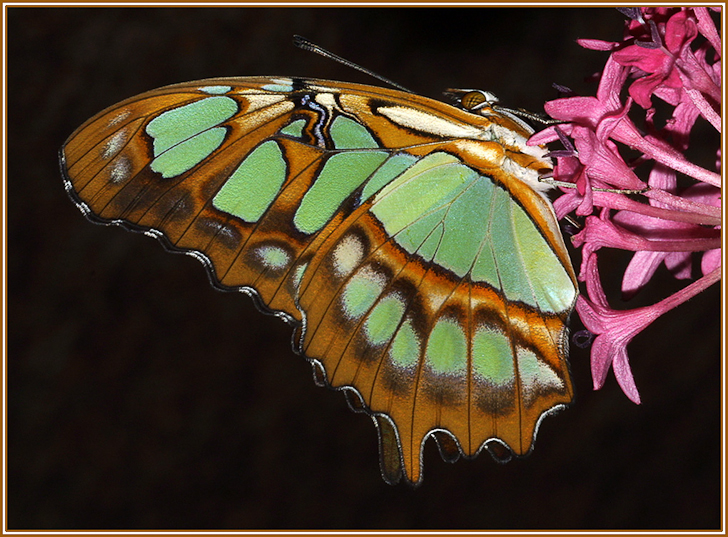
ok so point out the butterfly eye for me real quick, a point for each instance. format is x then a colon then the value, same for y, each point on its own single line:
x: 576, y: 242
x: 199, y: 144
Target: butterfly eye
x: 476, y: 99
x: 472, y: 100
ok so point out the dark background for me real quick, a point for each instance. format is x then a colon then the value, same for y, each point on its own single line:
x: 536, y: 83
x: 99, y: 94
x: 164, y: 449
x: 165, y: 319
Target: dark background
x: 139, y: 397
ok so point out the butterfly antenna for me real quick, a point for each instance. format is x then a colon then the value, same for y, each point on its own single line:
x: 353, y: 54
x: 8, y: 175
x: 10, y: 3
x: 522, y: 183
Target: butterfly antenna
x: 536, y: 117
x: 305, y: 44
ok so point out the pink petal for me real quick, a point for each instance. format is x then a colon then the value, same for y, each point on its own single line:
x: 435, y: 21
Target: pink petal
x: 702, y: 193
x: 711, y: 261
x: 670, y: 95
x: 696, y: 74
x: 601, y: 360
x: 704, y: 106
x: 664, y: 178
x: 642, y: 89
x: 582, y: 110
x: 680, y: 264
x: 543, y: 137
x: 567, y: 203
x: 649, y: 60
x: 660, y: 151
x: 623, y: 373
x: 660, y: 228
x: 604, y: 233
x: 679, y: 31
x: 640, y: 270
x: 589, y: 315
x: 706, y: 26
x: 613, y: 78
x: 597, y: 44
x: 590, y: 275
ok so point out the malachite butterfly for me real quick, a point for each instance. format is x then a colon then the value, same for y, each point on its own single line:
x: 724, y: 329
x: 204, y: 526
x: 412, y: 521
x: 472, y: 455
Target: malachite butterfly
x: 409, y: 242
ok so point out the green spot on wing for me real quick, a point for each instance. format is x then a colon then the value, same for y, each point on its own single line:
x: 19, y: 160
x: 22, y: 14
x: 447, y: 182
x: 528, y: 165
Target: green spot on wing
x: 464, y: 228
x: 361, y: 293
x: 349, y: 134
x: 405, y: 348
x: 394, y: 166
x: 274, y: 257
x: 513, y: 277
x: 555, y: 293
x: 253, y: 186
x: 442, y: 210
x: 342, y: 174
x: 278, y: 87
x: 429, y: 247
x: 516, y: 258
x: 535, y: 373
x: 427, y: 229
x: 174, y: 126
x: 447, y: 348
x: 383, y: 320
x: 186, y: 155
x: 493, y: 357
x: 295, y: 128
x: 215, y: 90
x: 429, y: 184
x: 438, y: 208
x: 485, y: 269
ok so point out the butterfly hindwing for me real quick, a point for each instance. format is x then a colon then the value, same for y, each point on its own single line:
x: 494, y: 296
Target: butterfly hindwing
x: 408, y: 239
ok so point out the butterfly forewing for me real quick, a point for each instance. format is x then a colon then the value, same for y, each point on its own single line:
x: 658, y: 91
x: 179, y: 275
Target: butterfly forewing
x: 409, y: 239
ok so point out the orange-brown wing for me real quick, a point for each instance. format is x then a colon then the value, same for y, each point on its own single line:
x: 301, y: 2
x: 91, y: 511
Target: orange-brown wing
x: 408, y: 239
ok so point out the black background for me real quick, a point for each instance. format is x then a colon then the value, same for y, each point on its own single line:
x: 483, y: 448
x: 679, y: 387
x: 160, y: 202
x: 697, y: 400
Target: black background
x: 139, y: 397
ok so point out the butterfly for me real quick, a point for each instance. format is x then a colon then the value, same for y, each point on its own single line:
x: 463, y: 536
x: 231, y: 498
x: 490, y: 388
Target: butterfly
x: 409, y: 242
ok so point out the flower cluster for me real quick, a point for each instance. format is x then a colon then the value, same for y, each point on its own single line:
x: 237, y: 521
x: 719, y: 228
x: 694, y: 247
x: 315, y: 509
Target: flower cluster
x: 670, y: 54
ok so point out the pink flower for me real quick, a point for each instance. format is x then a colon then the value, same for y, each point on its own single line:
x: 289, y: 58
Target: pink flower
x: 615, y: 329
x: 660, y: 64
x: 653, y: 218
x: 645, y: 262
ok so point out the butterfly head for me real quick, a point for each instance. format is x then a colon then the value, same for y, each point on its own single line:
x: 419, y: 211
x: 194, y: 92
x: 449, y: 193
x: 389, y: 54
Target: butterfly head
x: 485, y: 103
x: 472, y: 100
